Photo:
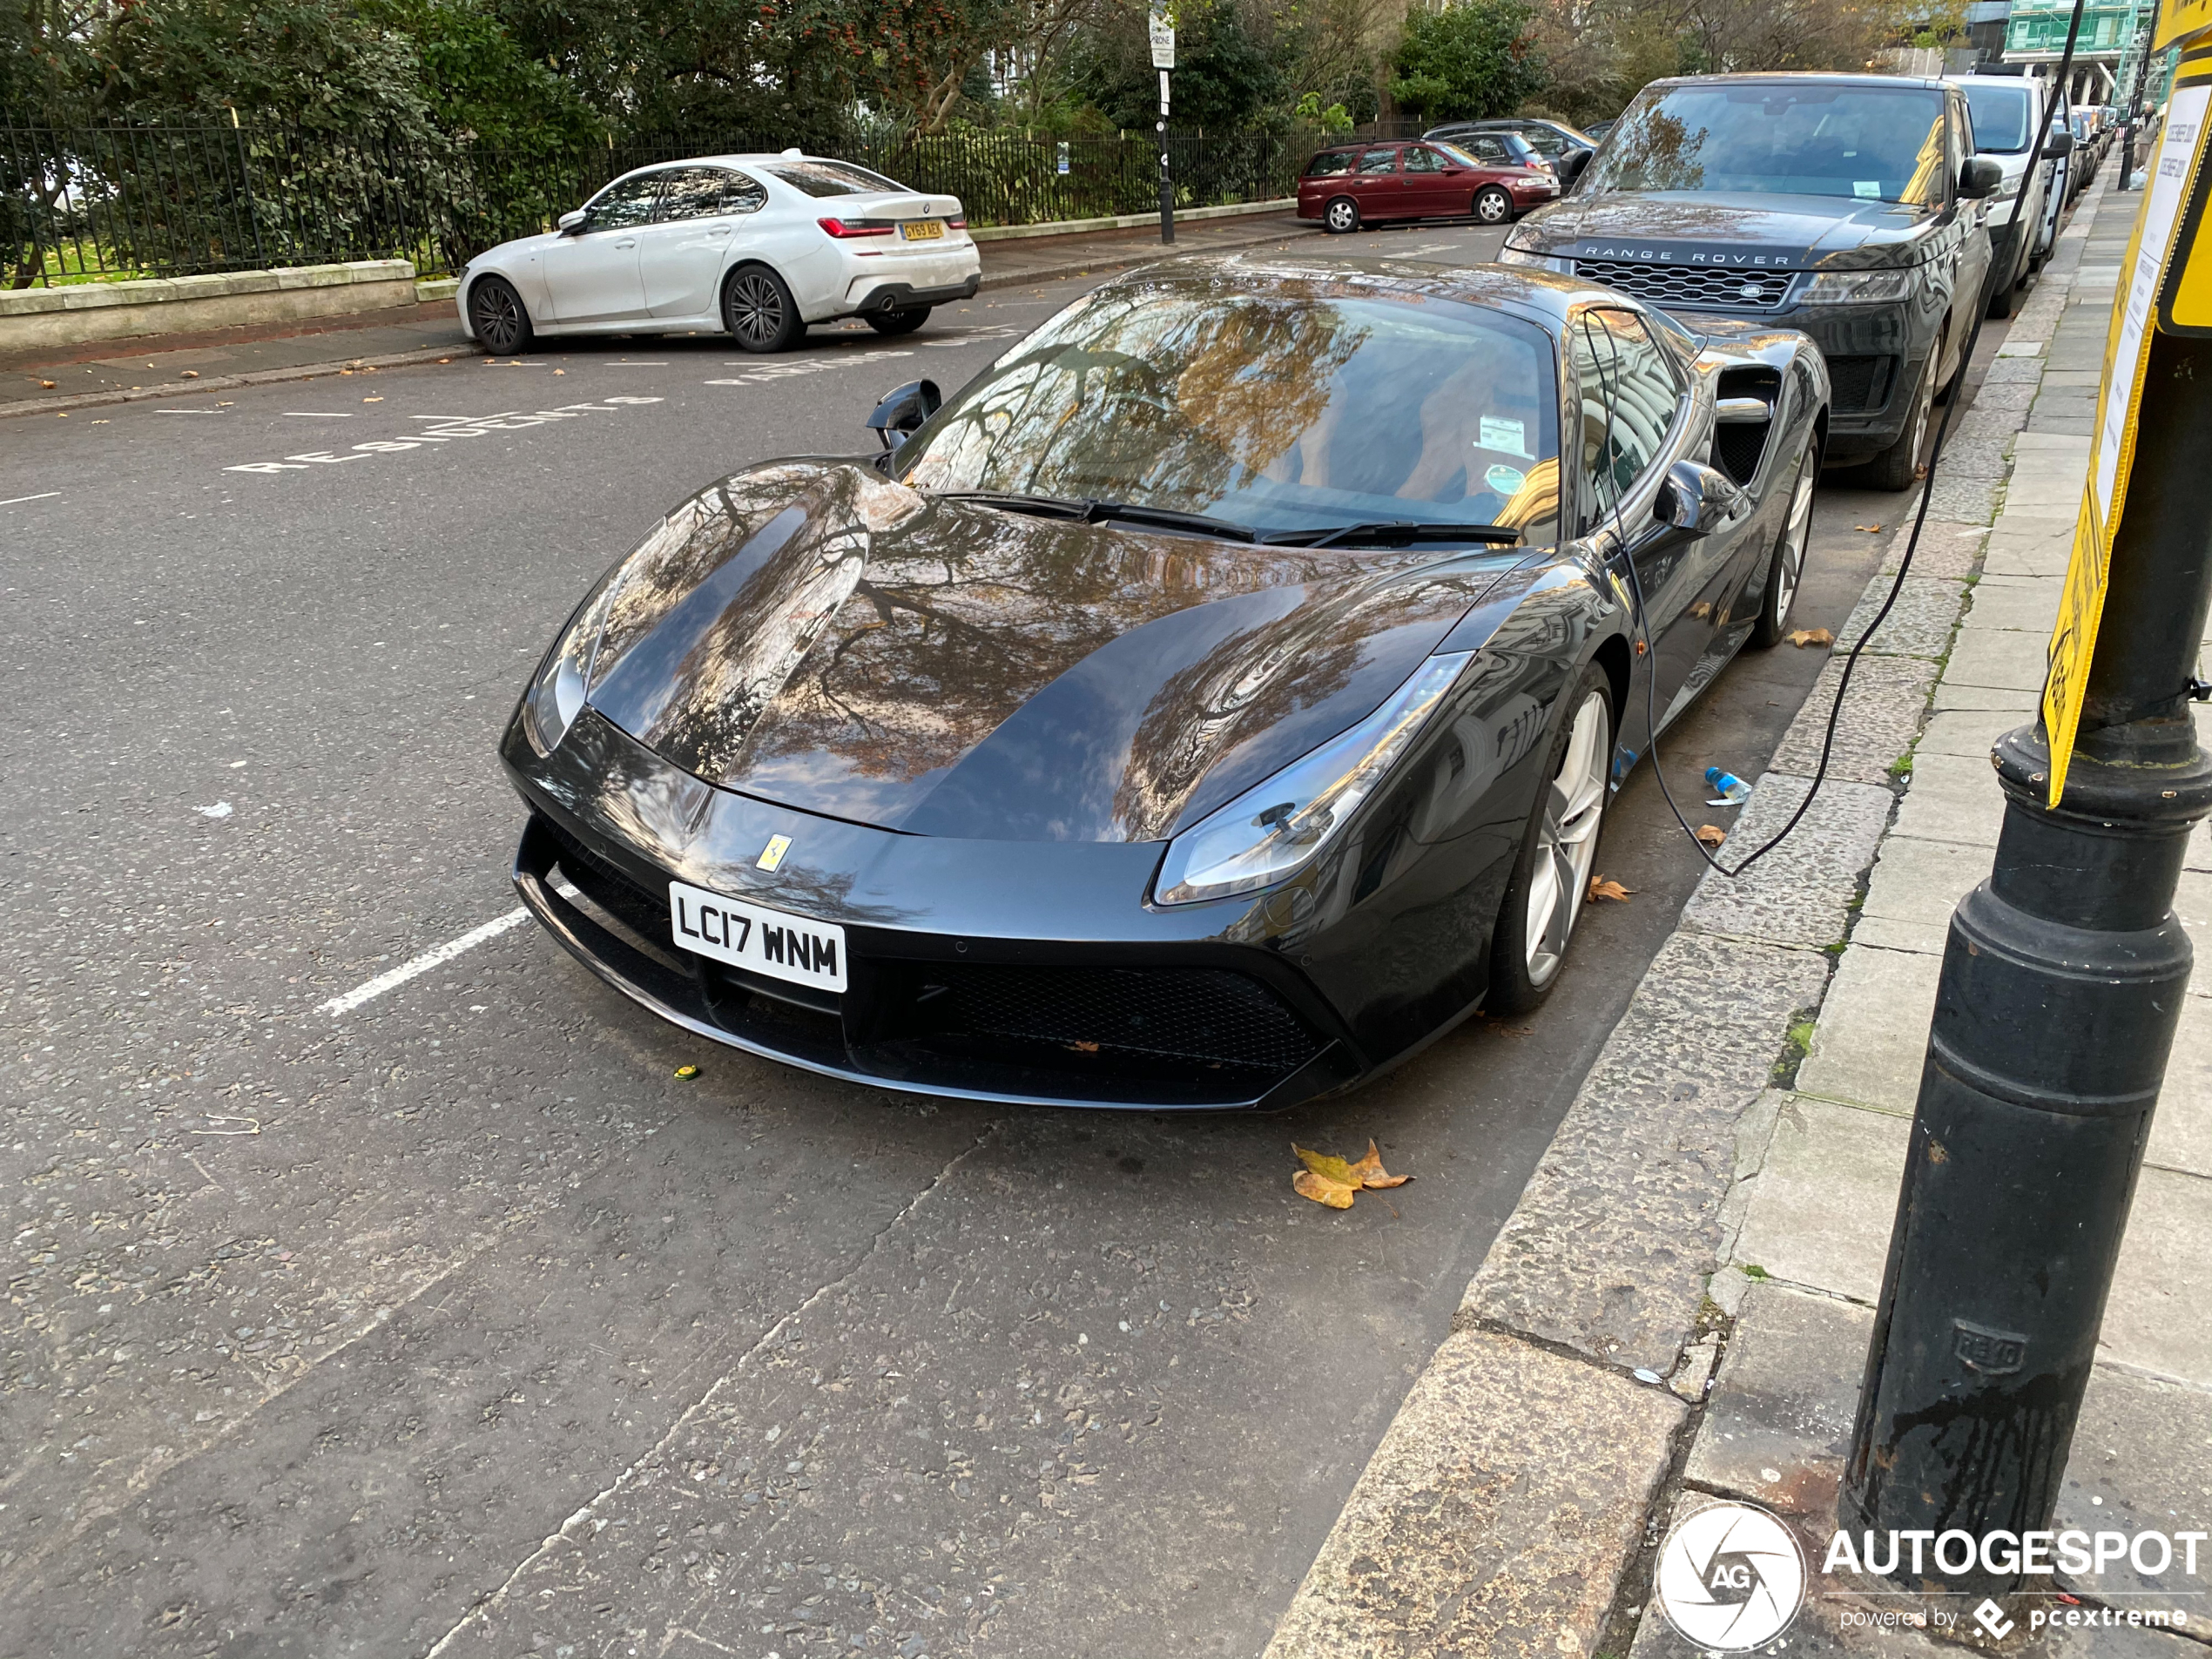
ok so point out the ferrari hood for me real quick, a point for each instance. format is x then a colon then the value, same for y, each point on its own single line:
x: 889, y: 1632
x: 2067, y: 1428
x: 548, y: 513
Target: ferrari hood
x: 811, y: 634
x: 1735, y: 230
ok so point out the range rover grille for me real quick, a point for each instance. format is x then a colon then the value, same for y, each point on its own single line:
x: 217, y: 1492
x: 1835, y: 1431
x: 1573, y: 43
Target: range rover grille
x: 1690, y: 285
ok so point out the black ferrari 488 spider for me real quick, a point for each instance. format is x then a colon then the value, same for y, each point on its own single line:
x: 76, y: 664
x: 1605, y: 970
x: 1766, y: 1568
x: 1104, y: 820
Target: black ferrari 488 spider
x: 1214, y: 701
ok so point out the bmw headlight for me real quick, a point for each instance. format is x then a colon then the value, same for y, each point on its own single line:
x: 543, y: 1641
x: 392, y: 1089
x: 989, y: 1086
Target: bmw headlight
x: 1546, y: 261
x: 556, y: 696
x: 1273, y: 830
x: 1857, y: 287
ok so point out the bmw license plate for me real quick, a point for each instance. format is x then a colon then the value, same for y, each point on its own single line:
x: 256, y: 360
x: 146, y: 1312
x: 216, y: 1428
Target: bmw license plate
x: 922, y: 230
x: 797, y: 948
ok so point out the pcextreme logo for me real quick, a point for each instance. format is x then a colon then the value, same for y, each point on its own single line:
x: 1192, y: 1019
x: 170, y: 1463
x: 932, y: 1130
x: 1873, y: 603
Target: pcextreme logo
x: 1730, y: 1578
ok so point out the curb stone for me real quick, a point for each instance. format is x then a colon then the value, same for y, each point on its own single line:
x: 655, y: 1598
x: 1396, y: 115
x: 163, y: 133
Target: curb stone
x: 1611, y: 1261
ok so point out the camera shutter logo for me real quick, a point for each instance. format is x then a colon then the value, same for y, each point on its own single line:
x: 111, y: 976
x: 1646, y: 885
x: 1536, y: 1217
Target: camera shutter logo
x: 1730, y: 1578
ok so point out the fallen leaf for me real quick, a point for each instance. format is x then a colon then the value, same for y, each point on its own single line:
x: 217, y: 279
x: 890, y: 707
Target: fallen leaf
x: 372, y: 399
x: 1084, y: 1047
x: 191, y: 375
x: 1711, y: 835
x: 1333, y: 1182
x: 445, y: 360
x: 1869, y: 528
x: 687, y: 1072
x: 1803, y: 637
x: 560, y: 371
x: 49, y: 384
x: 1602, y: 888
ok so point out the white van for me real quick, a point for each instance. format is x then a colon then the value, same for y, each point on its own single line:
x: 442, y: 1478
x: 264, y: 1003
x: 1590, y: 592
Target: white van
x: 2009, y: 122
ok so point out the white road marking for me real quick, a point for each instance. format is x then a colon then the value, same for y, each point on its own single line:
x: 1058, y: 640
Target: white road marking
x: 45, y: 495
x: 761, y: 376
x: 322, y: 414
x: 422, y: 964
x: 446, y: 428
x: 630, y: 362
x: 188, y: 411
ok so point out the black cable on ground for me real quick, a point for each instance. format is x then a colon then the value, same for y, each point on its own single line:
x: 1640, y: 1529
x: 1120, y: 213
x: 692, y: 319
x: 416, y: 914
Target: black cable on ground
x: 1842, y: 684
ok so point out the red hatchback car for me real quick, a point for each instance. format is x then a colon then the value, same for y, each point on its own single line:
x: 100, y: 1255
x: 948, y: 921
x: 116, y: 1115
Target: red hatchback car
x: 1367, y: 184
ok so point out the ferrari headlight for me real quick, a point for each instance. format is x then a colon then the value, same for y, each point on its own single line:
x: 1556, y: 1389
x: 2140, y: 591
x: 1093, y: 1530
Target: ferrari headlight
x: 1545, y: 261
x: 1857, y: 287
x: 1272, y: 830
x: 556, y: 696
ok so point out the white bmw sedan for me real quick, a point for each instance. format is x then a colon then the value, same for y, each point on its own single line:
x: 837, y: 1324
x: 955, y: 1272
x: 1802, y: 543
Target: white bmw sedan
x: 759, y: 246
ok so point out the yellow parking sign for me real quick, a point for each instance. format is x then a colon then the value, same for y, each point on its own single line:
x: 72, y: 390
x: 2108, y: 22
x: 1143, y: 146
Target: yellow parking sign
x: 2168, y: 230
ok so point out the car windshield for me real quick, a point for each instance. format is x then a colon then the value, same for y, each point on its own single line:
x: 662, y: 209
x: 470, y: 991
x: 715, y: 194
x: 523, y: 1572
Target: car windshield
x: 2000, y: 117
x: 1799, y: 139
x: 1294, y: 408
x: 830, y: 178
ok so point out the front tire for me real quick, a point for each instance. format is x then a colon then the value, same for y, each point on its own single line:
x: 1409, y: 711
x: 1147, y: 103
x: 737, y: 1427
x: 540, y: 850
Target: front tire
x: 1899, y: 466
x: 758, y: 310
x: 1551, y: 878
x: 1785, y: 572
x: 1493, y: 205
x: 898, y: 322
x: 1341, y: 216
x: 498, y: 317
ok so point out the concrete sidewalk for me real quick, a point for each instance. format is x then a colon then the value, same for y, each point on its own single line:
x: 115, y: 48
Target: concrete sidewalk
x: 169, y: 366
x: 1679, y: 1307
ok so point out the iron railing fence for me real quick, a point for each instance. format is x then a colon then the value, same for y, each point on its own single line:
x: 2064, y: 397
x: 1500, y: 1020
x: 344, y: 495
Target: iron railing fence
x: 92, y: 202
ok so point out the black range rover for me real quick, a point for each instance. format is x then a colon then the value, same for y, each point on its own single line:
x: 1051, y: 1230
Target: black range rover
x: 1847, y: 205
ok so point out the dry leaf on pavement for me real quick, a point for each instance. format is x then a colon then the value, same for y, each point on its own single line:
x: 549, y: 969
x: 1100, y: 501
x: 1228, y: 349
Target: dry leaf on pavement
x: 1333, y: 1182
x: 1870, y: 529
x: 1605, y: 887
x: 1804, y: 637
x: 49, y: 384
x: 1711, y: 835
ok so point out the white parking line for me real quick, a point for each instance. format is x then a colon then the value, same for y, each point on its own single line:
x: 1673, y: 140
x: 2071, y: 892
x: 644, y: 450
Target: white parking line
x: 422, y: 964
x: 46, y: 495
x: 321, y: 414
x: 188, y: 411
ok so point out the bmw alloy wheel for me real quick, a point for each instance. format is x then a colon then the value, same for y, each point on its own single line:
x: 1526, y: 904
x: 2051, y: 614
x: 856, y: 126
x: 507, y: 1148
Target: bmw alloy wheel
x: 1567, y: 840
x: 496, y: 312
x: 756, y: 308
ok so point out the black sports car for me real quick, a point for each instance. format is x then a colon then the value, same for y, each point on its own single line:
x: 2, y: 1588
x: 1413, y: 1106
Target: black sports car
x: 1214, y: 701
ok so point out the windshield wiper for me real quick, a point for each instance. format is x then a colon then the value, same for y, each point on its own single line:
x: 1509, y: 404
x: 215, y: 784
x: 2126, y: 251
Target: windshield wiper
x: 1098, y: 512
x: 1392, y: 533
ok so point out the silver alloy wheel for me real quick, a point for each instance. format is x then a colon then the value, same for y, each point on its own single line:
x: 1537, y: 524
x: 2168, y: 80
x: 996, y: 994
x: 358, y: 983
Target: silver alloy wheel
x: 497, y: 315
x: 1924, y: 407
x: 1493, y: 205
x: 1797, y: 532
x: 1567, y: 841
x: 756, y: 308
x: 1342, y: 216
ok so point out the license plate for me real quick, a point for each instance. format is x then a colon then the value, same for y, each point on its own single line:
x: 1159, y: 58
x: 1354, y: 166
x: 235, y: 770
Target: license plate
x: 751, y: 936
x: 922, y: 230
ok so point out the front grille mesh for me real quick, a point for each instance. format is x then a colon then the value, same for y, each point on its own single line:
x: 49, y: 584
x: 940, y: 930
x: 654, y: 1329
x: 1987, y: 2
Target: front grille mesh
x: 1689, y: 284
x: 612, y: 890
x: 1855, y: 384
x: 1208, y: 1015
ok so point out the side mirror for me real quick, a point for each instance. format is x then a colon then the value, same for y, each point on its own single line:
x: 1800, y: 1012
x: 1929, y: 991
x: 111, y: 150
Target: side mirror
x: 2057, y: 147
x: 570, y: 224
x: 903, y: 409
x: 1980, y: 176
x: 1695, y: 499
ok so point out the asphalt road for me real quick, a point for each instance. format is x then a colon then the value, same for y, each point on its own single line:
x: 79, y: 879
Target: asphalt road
x: 325, y: 1331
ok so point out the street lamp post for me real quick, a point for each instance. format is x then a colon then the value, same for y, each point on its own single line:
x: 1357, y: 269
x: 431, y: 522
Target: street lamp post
x: 1162, y: 36
x: 2063, y: 977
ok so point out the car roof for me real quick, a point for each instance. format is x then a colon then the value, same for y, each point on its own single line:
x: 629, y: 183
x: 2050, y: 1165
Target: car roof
x: 1829, y: 77
x: 1534, y: 295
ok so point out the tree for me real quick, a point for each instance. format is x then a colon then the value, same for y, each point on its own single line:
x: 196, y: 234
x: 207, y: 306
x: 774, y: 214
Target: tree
x: 1467, y: 61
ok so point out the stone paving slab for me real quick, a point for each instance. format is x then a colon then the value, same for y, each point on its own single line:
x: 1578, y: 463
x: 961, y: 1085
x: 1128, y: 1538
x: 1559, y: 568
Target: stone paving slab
x: 1970, y: 734
x: 1946, y: 550
x: 1495, y: 1518
x: 2155, y: 1317
x: 1822, y: 1203
x: 1980, y: 698
x: 1953, y: 799
x: 1880, y: 718
x: 1922, y: 882
x: 2023, y: 604
x: 2015, y: 660
x: 1607, y: 1252
x: 1918, y: 623
x: 1863, y: 1048
x: 1801, y: 892
x: 2028, y: 547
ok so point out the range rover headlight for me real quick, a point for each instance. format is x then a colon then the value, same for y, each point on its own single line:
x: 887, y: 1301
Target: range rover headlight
x: 1510, y: 255
x: 1856, y: 288
x: 1274, y: 830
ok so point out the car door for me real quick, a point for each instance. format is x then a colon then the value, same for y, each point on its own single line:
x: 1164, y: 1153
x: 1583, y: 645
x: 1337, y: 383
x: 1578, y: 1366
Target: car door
x: 1429, y: 182
x: 1971, y: 284
x: 1375, y: 184
x: 591, y: 275
x: 1632, y: 425
x: 682, y: 254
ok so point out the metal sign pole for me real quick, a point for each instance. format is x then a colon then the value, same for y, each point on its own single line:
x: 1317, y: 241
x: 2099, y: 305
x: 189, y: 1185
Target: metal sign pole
x: 1163, y: 34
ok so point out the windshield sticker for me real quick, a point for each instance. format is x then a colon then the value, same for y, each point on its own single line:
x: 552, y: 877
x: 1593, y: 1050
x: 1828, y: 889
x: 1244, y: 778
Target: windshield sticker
x: 1867, y: 189
x: 1498, y: 432
x: 1505, y: 480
